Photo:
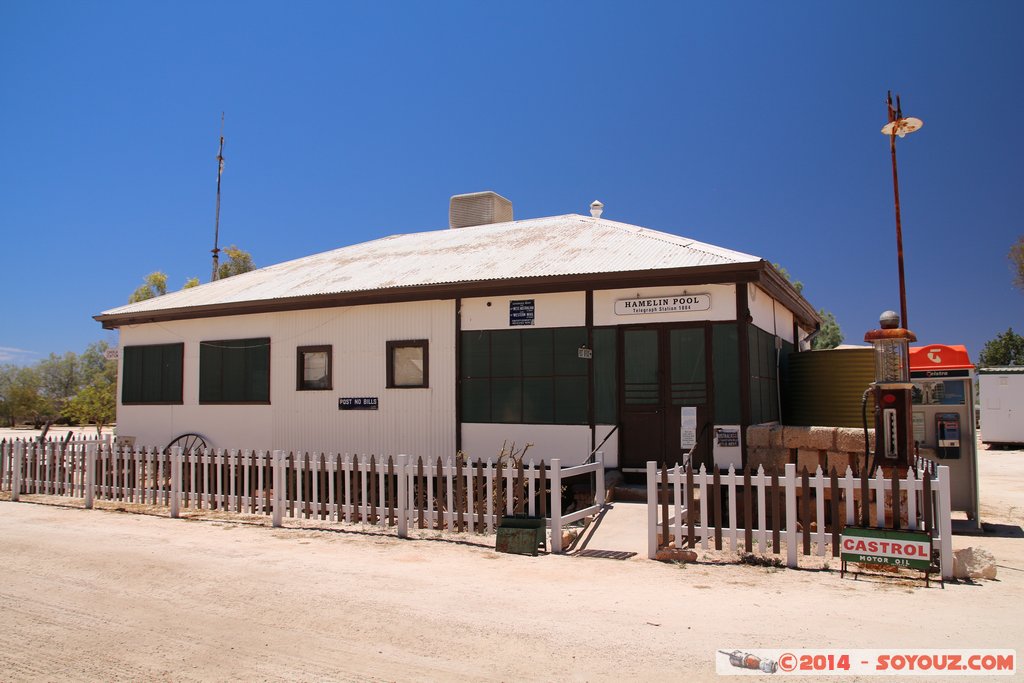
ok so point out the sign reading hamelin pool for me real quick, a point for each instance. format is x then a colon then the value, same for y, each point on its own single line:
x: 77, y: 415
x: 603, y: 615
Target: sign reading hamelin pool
x: 663, y: 304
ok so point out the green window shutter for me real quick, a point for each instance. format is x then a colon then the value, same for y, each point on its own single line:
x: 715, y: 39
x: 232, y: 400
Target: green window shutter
x: 209, y: 372
x: 506, y: 354
x: 538, y: 400
x: 131, y: 375
x: 476, y: 354
x: 566, y: 342
x: 537, y: 353
x: 476, y: 400
x: 507, y: 400
x: 152, y: 373
x: 726, y: 365
x: 688, y: 373
x: 571, y: 400
x: 234, y: 371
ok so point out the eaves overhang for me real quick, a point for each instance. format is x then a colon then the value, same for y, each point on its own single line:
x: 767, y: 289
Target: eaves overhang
x: 758, y: 272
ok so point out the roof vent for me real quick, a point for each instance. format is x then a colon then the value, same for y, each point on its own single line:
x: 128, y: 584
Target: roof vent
x: 596, y: 207
x: 478, y: 208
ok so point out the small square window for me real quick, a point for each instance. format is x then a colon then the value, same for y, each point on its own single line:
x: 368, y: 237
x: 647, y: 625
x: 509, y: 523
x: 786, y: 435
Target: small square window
x: 408, y: 364
x: 314, y: 368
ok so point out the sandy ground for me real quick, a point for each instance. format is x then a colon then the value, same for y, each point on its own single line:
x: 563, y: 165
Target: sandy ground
x: 109, y: 595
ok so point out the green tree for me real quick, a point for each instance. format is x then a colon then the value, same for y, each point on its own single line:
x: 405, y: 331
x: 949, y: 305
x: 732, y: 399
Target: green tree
x: 1017, y: 259
x: 1005, y: 349
x: 797, y: 285
x: 93, y: 362
x: 59, y: 380
x: 154, y: 284
x: 830, y: 335
x: 238, y: 262
x: 190, y: 283
x: 95, y: 404
x: 26, y: 398
x: 7, y: 378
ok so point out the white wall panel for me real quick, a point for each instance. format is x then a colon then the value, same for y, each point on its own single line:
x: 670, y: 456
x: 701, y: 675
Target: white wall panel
x: 610, y: 449
x: 769, y: 314
x: 565, y: 309
x: 723, y: 305
x: 415, y: 421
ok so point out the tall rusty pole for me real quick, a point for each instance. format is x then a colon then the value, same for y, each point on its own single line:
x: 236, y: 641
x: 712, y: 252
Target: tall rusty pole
x: 216, y: 220
x: 898, y: 125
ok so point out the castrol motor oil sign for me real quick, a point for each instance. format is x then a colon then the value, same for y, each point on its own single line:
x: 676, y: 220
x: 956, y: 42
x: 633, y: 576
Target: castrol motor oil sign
x: 911, y: 549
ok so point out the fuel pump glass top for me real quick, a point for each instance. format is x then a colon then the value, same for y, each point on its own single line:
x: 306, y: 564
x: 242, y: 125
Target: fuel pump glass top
x: 894, y: 439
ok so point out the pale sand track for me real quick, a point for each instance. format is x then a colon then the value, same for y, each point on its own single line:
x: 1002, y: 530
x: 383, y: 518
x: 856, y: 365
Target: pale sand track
x: 106, y: 595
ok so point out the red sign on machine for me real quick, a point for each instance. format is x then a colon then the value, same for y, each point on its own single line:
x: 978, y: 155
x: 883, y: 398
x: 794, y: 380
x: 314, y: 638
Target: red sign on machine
x: 939, y: 360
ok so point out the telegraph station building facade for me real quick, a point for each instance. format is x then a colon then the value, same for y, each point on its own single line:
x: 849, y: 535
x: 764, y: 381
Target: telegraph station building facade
x: 568, y: 332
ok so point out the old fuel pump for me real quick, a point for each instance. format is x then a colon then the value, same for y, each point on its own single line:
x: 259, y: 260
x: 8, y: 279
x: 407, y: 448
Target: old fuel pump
x: 894, y: 434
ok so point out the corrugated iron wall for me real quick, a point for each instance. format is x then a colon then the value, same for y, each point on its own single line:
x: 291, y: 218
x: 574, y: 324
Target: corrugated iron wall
x: 413, y: 421
x: 824, y: 388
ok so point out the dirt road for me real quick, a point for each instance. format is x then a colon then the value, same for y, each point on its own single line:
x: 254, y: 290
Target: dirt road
x: 105, y: 595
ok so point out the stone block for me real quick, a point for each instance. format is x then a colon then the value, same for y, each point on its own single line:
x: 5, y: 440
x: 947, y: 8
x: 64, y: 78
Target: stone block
x: 820, y: 438
x: 769, y: 458
x: 840, y: 460
x: 675, y: 555
x: 851, y: 439
x: 775, y: 436
x: 793, y: 437
x: 974, y: 563
x: 758, y: 436
x: 806, y: 458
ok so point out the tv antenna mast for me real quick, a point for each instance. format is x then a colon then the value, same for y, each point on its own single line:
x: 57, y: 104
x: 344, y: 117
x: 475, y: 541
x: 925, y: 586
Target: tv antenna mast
x: 216, y: 220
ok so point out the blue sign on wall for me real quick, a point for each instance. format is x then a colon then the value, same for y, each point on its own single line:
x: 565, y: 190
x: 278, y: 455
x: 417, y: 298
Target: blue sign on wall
x: 520, y: 312
x: 362, y: 403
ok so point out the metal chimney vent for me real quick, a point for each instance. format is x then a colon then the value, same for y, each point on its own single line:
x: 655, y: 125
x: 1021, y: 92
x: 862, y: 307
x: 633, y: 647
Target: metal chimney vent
x: 478, y: 208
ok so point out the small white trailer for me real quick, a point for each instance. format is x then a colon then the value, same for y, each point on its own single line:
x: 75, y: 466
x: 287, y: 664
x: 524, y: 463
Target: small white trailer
x: 1001, y: 394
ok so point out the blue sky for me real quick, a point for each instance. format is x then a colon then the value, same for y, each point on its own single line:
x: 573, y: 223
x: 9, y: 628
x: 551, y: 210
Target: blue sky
x: 753, y: 126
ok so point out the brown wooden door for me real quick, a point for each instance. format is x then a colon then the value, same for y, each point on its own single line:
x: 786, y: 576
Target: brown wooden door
x: 643, y: 398
x: 662, y: 369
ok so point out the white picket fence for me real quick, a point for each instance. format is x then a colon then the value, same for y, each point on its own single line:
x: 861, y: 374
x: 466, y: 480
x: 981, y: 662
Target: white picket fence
x: 399, y: 492
x: 765, y: 512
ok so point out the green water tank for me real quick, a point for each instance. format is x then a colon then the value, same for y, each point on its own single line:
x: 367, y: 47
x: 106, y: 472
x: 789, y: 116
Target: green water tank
x: 824, y: 388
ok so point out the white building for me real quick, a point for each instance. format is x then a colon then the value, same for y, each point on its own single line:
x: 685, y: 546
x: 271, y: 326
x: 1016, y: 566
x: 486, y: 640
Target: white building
x: 550, y: 331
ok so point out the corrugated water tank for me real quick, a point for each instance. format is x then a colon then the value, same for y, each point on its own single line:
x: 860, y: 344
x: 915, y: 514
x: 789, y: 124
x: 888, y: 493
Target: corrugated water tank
x: 824, y: 388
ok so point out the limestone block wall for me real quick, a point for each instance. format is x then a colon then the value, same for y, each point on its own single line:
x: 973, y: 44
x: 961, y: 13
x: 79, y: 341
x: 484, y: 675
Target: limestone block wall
x: 773, y: 445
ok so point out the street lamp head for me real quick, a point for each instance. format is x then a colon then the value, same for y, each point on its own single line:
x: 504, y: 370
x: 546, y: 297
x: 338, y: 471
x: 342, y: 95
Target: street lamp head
x: 898, y: 124
x: 900, y: 127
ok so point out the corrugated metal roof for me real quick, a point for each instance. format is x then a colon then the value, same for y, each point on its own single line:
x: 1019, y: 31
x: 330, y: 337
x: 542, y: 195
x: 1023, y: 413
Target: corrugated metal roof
x: 1004, y: 370
x: 539, y: 247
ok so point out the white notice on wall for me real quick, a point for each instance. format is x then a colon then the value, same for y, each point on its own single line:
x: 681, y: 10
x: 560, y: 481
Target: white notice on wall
x: 687, y: 427
x: 728, y: 447
x: 918, y: 426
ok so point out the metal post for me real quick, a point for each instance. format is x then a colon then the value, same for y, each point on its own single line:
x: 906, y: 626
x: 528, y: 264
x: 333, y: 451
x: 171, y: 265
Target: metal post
x: 899, y: 233
x: 556, y: 505
x: 19, y: 457
x: 599, y: 494
x: 401, y: 465
x: 278, y: 485
x: 175, y: 482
